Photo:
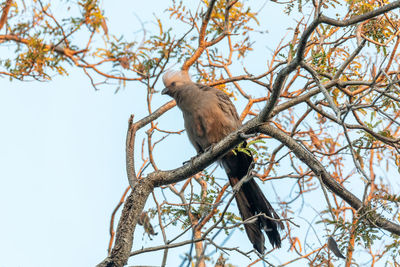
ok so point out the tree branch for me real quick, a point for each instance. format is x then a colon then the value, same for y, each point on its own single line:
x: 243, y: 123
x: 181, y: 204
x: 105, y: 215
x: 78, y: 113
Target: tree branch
x: 202, y: 43
x: 3, y: 17
x: 319, y: 170
x: 133, y: 207
x: 285, y: 72
x: 130, y: 138
x: 360, y: 18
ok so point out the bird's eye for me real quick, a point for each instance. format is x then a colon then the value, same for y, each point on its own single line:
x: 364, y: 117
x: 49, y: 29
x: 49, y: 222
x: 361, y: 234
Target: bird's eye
x: 173, y: 84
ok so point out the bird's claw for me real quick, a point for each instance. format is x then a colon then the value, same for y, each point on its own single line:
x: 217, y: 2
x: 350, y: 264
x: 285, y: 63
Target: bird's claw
x: 189, y: 161
x: 210, y: 148
x: 247, y: 136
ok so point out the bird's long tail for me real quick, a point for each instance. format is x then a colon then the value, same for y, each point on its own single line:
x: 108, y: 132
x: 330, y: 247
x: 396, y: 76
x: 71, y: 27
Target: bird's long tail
x: 251, y: 201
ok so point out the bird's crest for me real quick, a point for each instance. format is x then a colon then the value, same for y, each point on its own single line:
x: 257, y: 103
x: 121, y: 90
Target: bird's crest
x: 178, y: 76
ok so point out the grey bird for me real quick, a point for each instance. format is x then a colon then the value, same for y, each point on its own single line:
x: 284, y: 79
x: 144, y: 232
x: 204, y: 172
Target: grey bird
x: 209, y: 116
x: 332, y: 245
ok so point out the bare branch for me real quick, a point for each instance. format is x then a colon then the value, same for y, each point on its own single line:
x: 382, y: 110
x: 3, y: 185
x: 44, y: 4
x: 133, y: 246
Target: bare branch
x: 4, y: 15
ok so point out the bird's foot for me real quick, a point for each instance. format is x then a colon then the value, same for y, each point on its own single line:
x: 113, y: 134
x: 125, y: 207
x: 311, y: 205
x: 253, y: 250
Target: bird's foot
x: 210, y: 148
x: 247, y: 136
x: 189, y: 161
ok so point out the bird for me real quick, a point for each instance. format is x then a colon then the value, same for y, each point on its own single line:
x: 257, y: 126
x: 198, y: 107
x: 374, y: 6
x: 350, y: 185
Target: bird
x: 332, y: 245
x: 209, y: 116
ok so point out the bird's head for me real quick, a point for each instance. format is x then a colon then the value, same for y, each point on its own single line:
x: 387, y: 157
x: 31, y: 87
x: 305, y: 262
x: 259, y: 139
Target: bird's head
x: 174, y: 80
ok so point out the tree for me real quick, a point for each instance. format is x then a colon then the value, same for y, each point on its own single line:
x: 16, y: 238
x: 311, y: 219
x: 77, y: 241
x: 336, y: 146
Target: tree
x: 326, y: 123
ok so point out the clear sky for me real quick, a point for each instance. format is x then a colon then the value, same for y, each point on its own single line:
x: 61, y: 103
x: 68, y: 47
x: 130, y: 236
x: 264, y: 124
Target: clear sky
x: 62, y: 155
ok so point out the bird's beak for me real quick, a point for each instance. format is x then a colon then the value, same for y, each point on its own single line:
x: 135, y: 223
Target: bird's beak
x: 165, y: 91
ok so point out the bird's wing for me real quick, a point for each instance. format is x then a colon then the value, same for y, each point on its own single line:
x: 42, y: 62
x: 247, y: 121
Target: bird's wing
x: 195, y: 131
x: 224, y: 102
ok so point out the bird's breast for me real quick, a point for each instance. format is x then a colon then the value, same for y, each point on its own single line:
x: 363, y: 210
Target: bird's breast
x: 207, y: 125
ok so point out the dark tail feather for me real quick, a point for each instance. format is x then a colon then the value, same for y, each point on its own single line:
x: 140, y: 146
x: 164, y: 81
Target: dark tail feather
x: 251, y: 201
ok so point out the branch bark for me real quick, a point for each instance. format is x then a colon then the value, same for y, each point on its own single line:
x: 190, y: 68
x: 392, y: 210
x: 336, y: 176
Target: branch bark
x: 202, y: 43
x: 133, y: 207
x: 3, y: 17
